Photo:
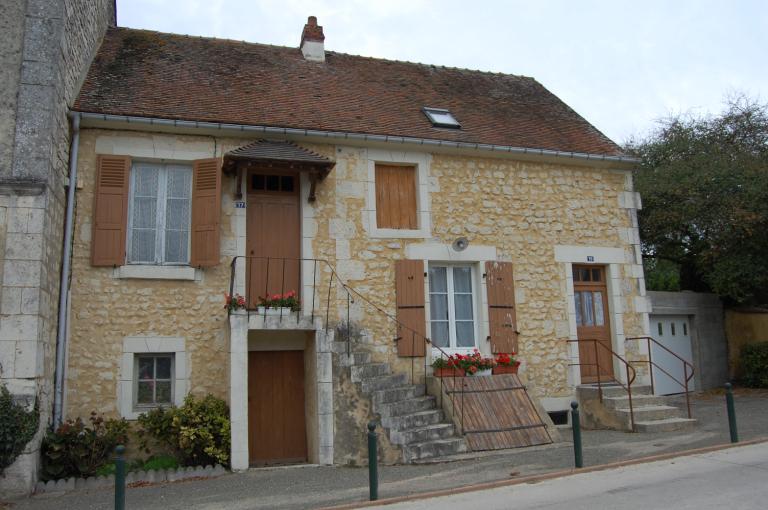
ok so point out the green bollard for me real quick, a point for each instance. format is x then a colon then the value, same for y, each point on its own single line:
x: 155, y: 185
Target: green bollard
x: 119, y: 478
x: 373, y: 470
x: 731, y: 413
x: 576, y: 426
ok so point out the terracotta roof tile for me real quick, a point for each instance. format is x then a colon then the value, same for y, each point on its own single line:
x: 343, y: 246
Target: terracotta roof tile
x: 152, y: 74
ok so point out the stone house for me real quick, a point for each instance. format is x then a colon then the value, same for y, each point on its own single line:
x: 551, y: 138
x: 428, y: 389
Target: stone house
x: 45, y: 51
x: 414, y: 210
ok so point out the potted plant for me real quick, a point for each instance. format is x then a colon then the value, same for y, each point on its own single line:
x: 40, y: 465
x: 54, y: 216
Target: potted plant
x: 279, y: 304
x: 506, y: 363
x: 234, y: 302
x: 476, y: 365
x: 446, y: 367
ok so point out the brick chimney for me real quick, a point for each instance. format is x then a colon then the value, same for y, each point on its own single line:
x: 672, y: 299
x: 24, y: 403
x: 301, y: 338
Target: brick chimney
x: 312, y: 38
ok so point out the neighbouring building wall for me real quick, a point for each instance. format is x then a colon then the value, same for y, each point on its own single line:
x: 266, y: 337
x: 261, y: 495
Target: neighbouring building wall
x: 743, y: 327
x: 51, y: 46
x: 708, y: 341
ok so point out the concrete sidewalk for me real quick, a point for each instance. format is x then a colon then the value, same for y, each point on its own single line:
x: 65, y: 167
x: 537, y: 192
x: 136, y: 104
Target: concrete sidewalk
x: 313, y: 487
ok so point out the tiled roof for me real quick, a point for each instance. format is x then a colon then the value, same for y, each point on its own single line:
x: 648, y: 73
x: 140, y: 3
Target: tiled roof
x: 151, y: 74
x: 278, y: 151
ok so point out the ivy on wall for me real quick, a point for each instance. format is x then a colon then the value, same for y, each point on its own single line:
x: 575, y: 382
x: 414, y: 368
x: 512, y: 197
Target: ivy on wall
x: 17, y: 427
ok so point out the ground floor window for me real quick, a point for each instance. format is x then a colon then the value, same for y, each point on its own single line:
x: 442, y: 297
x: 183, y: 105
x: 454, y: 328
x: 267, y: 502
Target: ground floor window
x: 452, y: 306
x: 153, y: 380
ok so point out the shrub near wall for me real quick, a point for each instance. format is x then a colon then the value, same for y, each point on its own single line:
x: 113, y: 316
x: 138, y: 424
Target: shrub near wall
x: 198, y: 431
x: 754, y: 365
x: 17, y: 427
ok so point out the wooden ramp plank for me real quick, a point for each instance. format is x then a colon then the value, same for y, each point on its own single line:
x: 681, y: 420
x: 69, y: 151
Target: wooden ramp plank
x: 497, y: 412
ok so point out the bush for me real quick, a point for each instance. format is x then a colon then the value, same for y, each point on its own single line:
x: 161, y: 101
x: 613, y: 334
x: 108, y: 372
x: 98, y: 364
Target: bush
x: 754, y: 365
x: 198, y: 431
x: 76, y: 449
x: 17, y: 427
x: 156, y: 462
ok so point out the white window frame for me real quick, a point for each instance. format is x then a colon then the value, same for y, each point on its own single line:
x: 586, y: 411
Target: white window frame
x: 160, y: 213
x: 423, y: 215
x: 133, y: 345
x: 452, y: 347
x: 137, y: 406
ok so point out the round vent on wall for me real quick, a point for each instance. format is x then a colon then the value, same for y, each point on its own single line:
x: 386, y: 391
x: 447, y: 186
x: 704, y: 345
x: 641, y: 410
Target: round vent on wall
x: 460, y: 244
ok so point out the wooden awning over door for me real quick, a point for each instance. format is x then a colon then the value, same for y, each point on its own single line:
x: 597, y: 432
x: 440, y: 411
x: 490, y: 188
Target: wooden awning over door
x: 283, y: 155
x: 497, y: 412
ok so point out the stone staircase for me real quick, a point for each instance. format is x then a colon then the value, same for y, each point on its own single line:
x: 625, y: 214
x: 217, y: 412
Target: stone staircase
x: 652, y: 413
x: 410, y: 418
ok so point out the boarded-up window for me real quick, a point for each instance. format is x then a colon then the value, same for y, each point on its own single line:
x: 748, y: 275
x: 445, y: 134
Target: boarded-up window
x: 396, y: 197
x: 409, y: 290
x: 110, y: 211
x: 502, y: 315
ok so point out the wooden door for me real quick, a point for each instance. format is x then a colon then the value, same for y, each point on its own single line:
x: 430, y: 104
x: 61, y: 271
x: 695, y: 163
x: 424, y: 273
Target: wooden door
x: 273, y: 239
x: 592, y: 323
x: 277, y: 432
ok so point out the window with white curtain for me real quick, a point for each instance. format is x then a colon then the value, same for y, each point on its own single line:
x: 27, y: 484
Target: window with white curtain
x: 159, y: 213
x: 451, y: 306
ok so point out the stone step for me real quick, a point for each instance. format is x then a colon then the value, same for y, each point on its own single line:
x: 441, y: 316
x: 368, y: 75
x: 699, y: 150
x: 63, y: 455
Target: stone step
x: 412, y: 405
x: 637, y: 401
x: 389, y: 395
x: 650, y: 413
x: 384, y: 382
x: 431, y: 449
x: 413, y: 420
x: 614, y: 390
x: 422, y: 434
x: 667, y: 425
x: 362, y: 372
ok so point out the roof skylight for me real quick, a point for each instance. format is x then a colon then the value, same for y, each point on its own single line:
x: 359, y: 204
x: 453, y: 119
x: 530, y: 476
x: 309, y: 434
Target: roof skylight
x: 441, y: 118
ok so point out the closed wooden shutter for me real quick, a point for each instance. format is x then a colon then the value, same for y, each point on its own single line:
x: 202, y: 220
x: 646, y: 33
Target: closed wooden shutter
x: 502, y: 316
x: 206, y: 212
x: 110, y: 210
x: 409, y: 290
x: 396, y: 197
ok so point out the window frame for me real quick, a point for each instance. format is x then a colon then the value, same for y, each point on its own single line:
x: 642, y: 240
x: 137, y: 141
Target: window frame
x: 137, y: 406
x: 160, y: 212
x: 422, y: 161
x: 451, y: 293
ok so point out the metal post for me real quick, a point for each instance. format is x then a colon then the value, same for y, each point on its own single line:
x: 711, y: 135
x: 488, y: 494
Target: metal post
x: 576, y: 426
x: 373, y: 470
x: 731, y: 413
x: 119, y: 478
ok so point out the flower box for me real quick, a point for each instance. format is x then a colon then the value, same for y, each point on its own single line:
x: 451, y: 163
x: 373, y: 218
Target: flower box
x: 483, y: 372
x: 448, y: 372
x: 282, y: 311
x: 506, y: 369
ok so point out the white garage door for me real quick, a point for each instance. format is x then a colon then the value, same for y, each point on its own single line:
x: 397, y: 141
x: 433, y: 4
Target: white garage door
x: 674, y: 333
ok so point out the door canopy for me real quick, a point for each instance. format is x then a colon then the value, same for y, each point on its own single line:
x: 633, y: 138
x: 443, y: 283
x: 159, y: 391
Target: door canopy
x: 279, y: 155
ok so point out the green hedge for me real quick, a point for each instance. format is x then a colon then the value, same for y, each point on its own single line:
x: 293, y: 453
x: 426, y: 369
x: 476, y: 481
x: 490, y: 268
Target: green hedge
x: 754, y: 365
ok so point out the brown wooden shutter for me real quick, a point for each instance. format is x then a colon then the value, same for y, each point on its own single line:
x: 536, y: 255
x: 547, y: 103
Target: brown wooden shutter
x: 396, y: 197
x: 206, y: 212
x: 110, y: 210
x: 502, y: 316
x: 409, y: 291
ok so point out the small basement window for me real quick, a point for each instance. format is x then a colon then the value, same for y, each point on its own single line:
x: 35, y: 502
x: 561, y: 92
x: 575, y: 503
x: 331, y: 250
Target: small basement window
x: 441, y: 118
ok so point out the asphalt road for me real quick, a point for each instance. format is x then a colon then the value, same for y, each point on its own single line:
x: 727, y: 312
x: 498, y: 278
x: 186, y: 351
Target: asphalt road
x: 733, y: 478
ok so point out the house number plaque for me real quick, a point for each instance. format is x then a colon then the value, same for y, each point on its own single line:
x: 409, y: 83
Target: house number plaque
x: 239, y: 204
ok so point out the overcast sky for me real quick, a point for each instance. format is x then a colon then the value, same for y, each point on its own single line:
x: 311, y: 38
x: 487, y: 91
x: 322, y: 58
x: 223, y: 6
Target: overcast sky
x: 621, y: 64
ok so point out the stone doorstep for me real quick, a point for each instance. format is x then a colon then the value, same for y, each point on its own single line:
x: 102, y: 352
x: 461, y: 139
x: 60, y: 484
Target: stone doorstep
x: 152, y: 476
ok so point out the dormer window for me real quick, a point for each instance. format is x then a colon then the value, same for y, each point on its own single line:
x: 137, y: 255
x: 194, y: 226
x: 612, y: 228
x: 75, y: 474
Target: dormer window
x: 441, y: 118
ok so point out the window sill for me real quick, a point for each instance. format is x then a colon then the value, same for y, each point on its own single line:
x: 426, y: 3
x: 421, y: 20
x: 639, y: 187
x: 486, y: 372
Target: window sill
x: 150, y: 272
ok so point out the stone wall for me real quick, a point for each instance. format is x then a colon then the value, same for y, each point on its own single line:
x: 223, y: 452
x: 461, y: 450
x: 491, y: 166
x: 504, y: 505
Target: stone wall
x: 53, y: 51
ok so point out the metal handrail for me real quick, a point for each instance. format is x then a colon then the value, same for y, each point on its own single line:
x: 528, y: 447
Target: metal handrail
x: 686, y: 365
x: 627, y: 367
x: 352, y: 293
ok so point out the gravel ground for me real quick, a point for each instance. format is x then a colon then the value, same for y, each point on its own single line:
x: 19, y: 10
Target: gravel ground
x: 312, y: 487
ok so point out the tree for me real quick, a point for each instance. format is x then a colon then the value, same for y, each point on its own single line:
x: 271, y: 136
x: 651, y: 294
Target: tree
x: 704, y: 185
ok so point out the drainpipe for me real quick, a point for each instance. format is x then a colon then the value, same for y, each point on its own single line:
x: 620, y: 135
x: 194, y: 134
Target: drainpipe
x: 61, y: 334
